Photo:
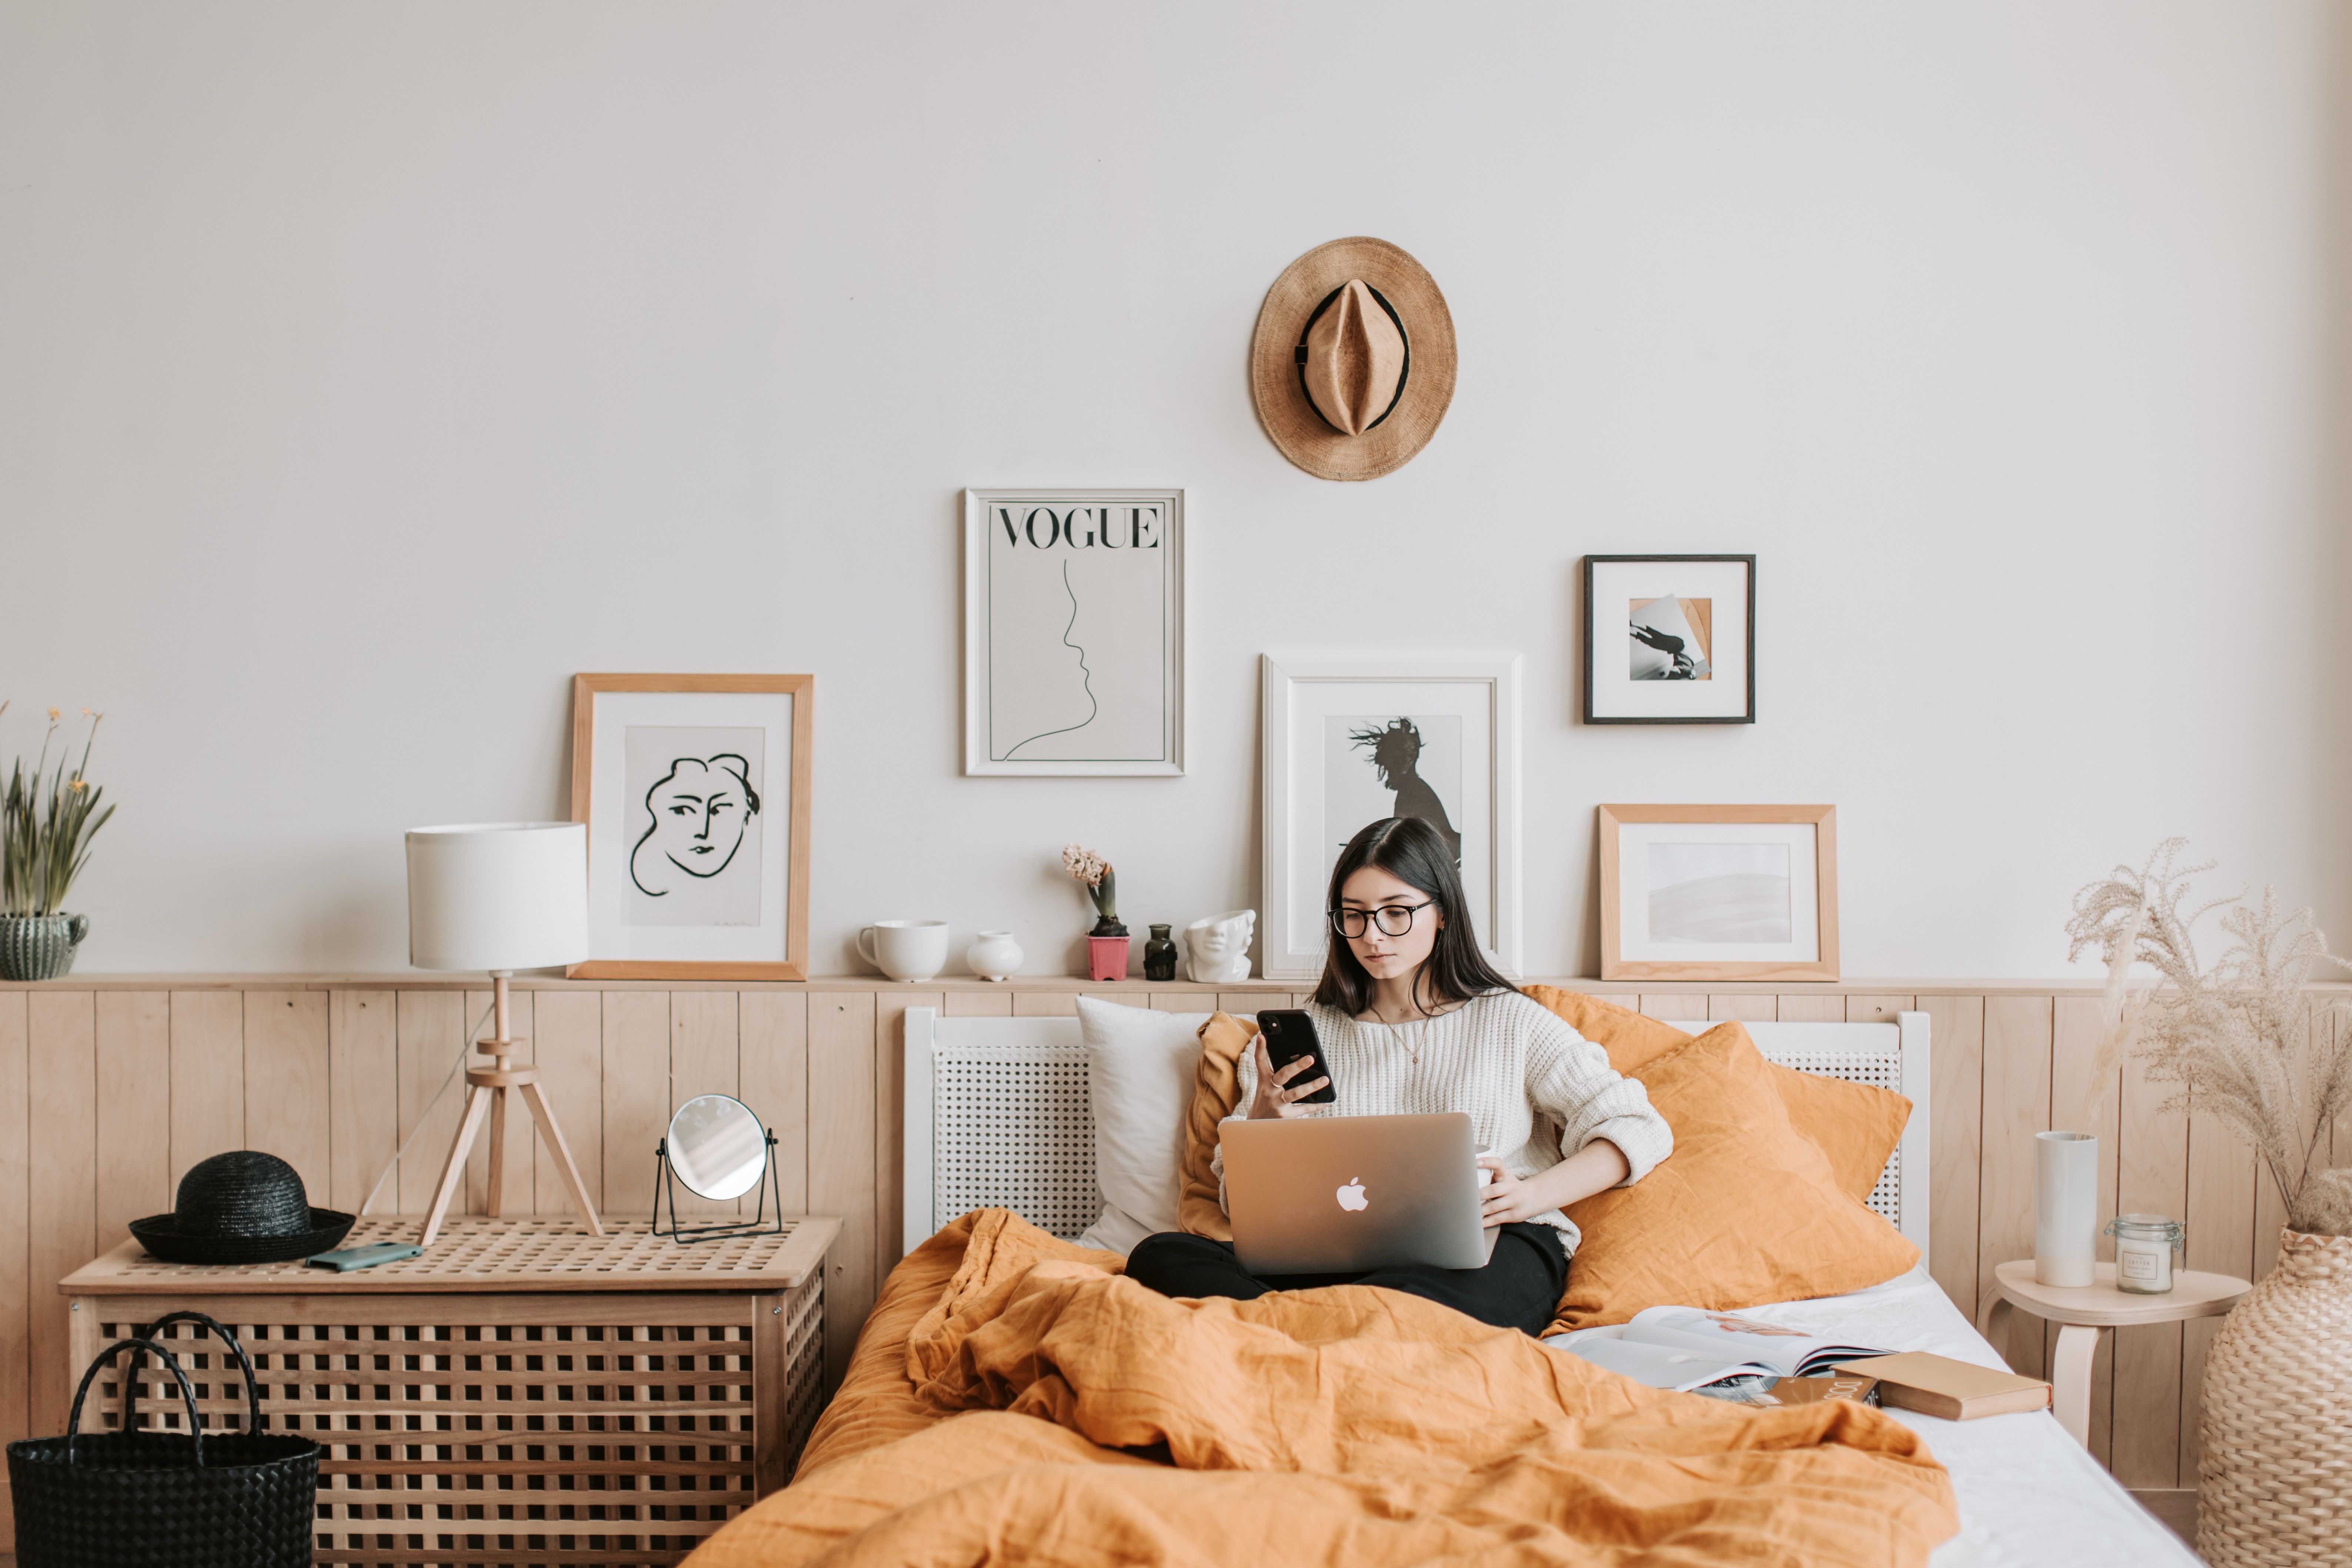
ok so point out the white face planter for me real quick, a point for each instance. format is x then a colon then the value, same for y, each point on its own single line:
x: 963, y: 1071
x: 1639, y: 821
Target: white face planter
x: 1219, y: 946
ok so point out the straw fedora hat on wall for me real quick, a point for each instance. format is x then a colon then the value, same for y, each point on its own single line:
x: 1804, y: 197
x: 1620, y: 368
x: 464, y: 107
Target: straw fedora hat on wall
x: 1352, y: 363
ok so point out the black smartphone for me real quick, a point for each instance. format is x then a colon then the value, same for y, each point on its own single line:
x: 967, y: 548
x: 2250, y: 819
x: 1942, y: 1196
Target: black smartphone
x: 1290, y: 1034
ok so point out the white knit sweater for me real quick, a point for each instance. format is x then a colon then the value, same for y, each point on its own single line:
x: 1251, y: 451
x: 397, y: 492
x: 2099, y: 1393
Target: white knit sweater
x: 1504, y: 1058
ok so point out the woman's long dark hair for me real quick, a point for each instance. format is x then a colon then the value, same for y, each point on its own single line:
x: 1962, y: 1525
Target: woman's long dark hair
x: 1412, y: 851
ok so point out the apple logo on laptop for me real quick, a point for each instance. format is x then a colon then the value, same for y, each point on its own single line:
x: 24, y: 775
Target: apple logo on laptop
x: 1351, y: 1196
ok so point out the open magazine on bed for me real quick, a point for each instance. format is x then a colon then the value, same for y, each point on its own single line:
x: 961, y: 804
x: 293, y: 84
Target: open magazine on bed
x: 1685, y: 1348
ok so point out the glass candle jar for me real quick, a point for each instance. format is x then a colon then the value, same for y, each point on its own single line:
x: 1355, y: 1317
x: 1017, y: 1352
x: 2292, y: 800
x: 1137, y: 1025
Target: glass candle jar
x: 2145, y: 1246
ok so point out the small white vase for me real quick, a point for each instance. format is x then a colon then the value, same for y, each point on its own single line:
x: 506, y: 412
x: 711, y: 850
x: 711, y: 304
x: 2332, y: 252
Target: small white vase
x: 2065, y: 1209
x: 995, y: 956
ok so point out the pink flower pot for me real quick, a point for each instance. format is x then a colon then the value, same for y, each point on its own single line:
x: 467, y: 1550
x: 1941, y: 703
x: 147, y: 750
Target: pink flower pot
x: 1107, y: 957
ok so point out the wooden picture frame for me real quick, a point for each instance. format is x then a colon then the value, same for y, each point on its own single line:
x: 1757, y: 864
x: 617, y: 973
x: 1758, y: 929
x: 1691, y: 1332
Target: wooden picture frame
x: 1723, y: 862
x: 1670, y: 639
x: 630, y: 859
x: 1326, y: 749
x: 1074, y: 633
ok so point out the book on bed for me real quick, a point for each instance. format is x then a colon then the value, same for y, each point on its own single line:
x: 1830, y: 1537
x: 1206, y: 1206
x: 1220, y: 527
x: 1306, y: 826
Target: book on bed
x: 1955, y: 1389
x: 1686, y: 1348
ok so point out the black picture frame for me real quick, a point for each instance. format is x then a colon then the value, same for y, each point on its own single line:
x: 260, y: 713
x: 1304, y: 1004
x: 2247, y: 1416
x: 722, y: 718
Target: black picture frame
x: 1592, y: 631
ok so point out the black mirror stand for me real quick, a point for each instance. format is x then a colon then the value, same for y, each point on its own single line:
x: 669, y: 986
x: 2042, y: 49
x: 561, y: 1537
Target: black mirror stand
x: 758, y: 1224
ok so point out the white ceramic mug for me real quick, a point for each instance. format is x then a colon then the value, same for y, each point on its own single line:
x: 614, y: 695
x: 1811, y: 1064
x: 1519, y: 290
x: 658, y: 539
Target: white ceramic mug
x: 904, y: 950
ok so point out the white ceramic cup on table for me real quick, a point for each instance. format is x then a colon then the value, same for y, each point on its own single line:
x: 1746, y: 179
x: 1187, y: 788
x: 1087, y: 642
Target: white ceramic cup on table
x: 904, y: 950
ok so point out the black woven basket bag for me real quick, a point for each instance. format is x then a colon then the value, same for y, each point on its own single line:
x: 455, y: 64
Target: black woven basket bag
x: 165, y: 1500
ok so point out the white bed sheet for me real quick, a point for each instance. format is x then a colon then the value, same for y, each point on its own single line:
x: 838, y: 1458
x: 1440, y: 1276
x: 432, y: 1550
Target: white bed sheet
x: 2029, y: 1497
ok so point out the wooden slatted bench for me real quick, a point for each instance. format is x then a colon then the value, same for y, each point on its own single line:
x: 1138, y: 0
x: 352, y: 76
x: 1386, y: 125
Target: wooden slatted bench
x: 520, y: 1393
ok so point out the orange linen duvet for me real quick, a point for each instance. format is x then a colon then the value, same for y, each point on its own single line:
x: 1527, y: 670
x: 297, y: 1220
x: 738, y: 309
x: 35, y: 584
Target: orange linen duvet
x: 1013, y: 1400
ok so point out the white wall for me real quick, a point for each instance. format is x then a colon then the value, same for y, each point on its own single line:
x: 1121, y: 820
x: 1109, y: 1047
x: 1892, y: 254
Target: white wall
x: 367, y: 370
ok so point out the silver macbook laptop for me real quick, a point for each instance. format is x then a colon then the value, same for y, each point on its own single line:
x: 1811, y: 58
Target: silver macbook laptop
x: 1343, y: 1194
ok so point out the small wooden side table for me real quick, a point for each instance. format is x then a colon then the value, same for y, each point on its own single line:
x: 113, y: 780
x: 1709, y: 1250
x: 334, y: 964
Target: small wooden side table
x: 522, y: 1393
x: 2081, y: 1311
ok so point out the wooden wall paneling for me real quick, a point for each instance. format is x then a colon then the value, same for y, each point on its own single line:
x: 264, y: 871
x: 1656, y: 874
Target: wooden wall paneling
x: 429, y: 1027
x: 973, y: 1005
x: 772, y: 1028
x: 2080, y: 1102
x: 521, y: 1143
x: 1243, y: 1004
x: 16, y: 1220
x: 2152, y: 1177
x: 568, y: 1047
x: 889, y: 1121
x: 133, y: 1037
x: 61, y: 1189
x: 207, y: 1076
x: 1811, y: 1009
x: 2219, y: 1218
x: 1956, y: 1030
x: 1170, y: 1002
x: 1675, y: 1008
x: 2016, y: 1107
x: 363, y: 1096
x: 841, y: 1159
x: 1880, y: 1010
x: 1746, y: 1009
x: 288, y: 1080
x: 1043, y: 1004
x: 636, y: 1095
x: 705, y: 1047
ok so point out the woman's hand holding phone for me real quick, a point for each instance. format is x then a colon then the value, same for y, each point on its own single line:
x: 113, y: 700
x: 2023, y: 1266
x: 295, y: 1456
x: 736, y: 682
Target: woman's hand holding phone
x: 1280, y: 1090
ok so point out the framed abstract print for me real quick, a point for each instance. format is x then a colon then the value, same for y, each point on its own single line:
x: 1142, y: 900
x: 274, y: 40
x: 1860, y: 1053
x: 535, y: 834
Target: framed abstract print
x: 1073, y: 632
x: 1718, y: 892
x: 1670, y: 639
x: 694, y: 789
x: 1348, y: 742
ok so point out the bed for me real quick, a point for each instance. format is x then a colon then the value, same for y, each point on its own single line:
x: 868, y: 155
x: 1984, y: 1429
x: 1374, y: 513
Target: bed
x: 997, y: 1119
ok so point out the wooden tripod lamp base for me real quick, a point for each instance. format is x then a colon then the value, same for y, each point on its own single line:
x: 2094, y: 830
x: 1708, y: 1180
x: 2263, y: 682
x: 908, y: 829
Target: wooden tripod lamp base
x: 491, y: 1090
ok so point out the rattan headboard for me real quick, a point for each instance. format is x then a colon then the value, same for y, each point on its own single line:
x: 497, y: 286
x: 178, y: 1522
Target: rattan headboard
x: 997, y: 1115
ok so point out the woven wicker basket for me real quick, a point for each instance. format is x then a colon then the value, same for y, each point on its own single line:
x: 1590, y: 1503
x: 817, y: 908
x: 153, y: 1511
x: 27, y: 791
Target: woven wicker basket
x: 2274, y: 1475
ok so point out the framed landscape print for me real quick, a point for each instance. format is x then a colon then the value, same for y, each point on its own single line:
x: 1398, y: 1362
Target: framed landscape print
x: 1670, y: 639
x: 1073, y: 632
x: 1348, y: 742
x: 694, y: 789
x: 1718, y: 892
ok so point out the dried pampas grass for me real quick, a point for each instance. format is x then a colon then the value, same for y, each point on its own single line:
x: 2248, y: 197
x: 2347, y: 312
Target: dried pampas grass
x: 2242, y: 1039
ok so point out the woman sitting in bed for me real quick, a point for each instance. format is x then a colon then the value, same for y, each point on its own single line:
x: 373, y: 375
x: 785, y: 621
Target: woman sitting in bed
x: 1417, y: 1022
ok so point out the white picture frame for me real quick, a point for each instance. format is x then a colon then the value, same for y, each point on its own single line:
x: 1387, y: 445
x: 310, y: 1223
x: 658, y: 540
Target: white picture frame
x: 1323, y: 716
x: 1074, y: 633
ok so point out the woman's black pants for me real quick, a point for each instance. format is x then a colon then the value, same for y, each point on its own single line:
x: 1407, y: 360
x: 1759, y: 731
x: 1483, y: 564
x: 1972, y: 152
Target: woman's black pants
x: 1519, y: 1289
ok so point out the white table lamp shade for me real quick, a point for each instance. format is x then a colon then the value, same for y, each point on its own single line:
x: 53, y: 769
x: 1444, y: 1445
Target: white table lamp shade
x: 498, y: 894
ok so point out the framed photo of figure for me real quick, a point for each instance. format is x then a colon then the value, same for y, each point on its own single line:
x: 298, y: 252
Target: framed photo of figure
x: 1670, y: 639
x: 1718, y: 892
x: 1074, y: 633
x: 694, y: 789
x: 1348, y: 741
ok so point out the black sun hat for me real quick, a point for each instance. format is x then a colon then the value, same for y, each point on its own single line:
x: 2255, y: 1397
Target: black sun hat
x: 241, y: 1207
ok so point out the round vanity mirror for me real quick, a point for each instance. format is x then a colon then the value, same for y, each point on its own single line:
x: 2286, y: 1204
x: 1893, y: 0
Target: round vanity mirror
x: 717, y: 1147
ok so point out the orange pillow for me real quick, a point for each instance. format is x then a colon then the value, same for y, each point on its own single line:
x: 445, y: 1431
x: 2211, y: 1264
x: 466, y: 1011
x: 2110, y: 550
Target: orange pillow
x: 1857, y: 1125
x: 1744, y: 1211
x: 1631, y: 1038
x: 1215, y: 1087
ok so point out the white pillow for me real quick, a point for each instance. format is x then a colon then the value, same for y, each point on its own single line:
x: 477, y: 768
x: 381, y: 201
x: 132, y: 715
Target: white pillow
x: 1140, y: 1070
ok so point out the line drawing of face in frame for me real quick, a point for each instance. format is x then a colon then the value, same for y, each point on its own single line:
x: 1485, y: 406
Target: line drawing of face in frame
x: 695, y: 822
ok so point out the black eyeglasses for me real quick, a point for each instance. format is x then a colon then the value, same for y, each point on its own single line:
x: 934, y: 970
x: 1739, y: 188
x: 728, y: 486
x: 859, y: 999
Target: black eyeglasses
x: 1395, y: 919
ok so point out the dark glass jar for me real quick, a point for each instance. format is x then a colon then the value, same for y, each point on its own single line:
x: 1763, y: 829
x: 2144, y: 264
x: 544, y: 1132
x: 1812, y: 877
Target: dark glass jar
x: 1160, y: 955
